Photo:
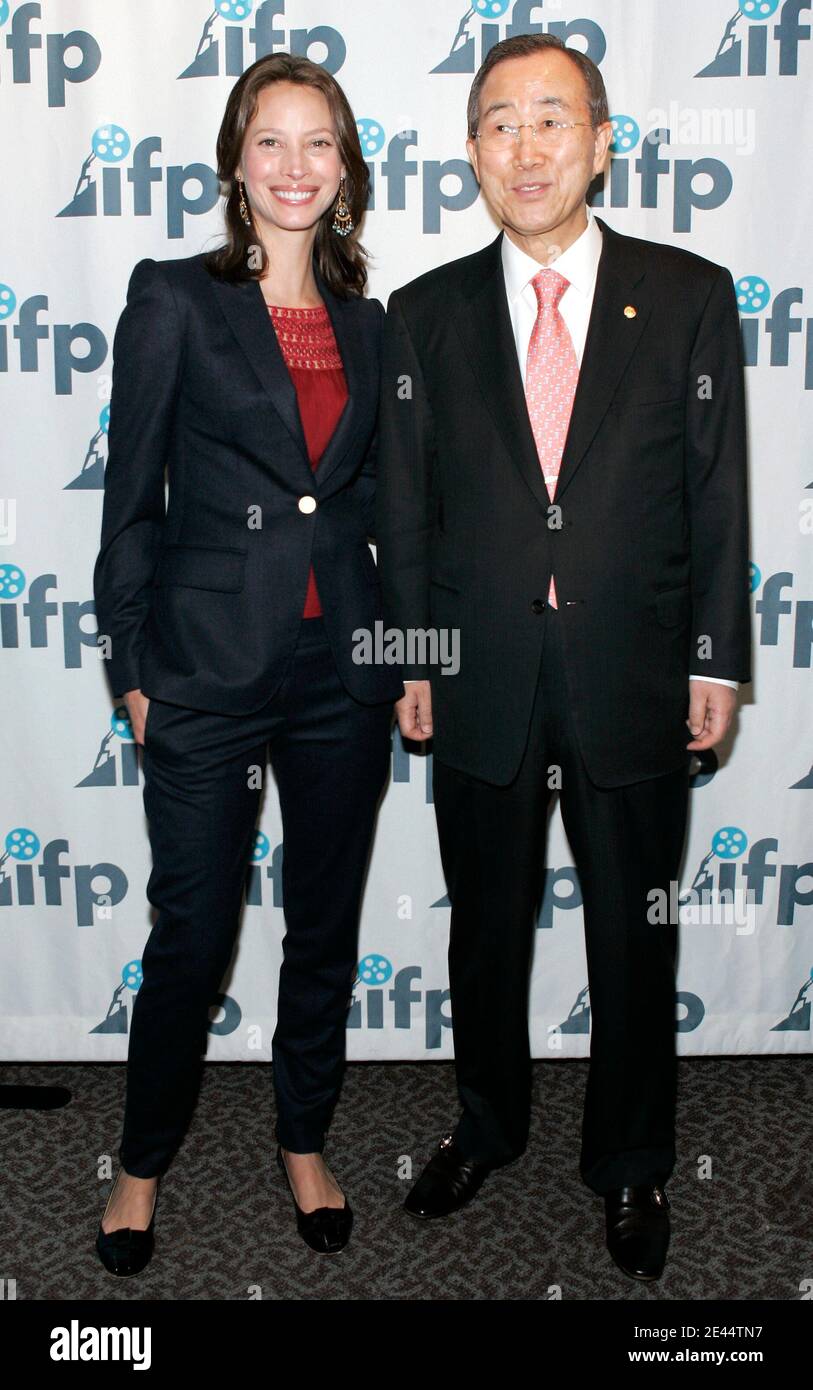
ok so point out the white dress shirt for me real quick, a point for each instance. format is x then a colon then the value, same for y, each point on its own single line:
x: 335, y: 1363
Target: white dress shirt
x: 579, y: 265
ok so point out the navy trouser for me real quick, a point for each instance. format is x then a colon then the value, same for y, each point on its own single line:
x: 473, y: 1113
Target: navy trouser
x: 625, y: 841
x: 330, y: 758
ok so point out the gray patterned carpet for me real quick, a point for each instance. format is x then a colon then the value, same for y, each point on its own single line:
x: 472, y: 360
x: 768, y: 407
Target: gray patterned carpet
x: 225, y: 1223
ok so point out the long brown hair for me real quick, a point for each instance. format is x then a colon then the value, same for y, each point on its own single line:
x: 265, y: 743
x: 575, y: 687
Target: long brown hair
x: 340, y: 259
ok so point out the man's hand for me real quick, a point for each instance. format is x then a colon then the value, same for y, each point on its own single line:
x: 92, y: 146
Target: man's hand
x: 137, y: 706
x: 414, y: 711
x: 711, y: 708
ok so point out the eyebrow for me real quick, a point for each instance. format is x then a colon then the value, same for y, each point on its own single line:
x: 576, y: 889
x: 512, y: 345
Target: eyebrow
x: 277, y: 130
x: 537, y: 101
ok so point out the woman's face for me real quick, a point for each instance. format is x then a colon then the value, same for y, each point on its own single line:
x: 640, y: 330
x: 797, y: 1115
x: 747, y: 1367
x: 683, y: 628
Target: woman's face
x: 291, y: 162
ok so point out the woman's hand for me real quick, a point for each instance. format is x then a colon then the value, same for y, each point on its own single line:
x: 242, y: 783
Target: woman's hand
x: 137, y: 706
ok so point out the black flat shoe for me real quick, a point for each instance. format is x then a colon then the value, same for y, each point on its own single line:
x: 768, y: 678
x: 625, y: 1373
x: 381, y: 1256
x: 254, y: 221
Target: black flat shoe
x: 638, y: 1229
x: 448, y: 1182
x: 327, y: 1229
x: 126, y: 1251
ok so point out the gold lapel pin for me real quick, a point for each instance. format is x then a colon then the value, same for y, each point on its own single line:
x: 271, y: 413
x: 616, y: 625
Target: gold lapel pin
x: 630, y: 311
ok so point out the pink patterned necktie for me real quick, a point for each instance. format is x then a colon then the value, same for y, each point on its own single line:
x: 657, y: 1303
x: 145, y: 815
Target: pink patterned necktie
x: 550, y: 381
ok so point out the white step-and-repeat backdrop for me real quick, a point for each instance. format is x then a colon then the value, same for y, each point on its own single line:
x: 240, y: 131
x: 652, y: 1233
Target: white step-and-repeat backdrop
x: 109, y: 114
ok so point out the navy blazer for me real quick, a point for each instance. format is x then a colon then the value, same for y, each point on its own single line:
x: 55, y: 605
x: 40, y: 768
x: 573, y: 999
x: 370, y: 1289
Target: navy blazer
x: 202, y: 599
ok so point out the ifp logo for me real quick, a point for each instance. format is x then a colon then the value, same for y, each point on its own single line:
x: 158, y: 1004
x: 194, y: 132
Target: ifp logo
x: 638, y: 179
x: 117, y: 177
x: 395, y: 171
x: 689, y: 1014
x: 27, y: 883
x: 495, y: 20
x: 265, y: 864
x: 61, y: 59
x: 63, y: 339
x: 27, y: 620
x: 91, y: 475
x: 779, y: 326
x: 735, y: 870
x: 116, y: 761
x: 236, y: 33
x: 399, y: 1006
x: 771, y: 606
x: 797, y: 1020
x: 116, y: 1019
x: 751, y: 43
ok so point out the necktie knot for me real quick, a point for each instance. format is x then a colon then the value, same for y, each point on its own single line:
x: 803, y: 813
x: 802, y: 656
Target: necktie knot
x: 549, y: 286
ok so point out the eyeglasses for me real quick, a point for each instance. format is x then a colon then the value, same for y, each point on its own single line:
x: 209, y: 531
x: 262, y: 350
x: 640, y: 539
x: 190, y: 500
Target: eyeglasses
x: 496, y: 135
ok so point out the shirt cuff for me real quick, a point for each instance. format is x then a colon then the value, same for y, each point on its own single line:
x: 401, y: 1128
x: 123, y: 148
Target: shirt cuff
x: 716, y: 680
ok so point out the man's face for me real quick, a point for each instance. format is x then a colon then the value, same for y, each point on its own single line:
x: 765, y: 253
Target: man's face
x: 538, y: 190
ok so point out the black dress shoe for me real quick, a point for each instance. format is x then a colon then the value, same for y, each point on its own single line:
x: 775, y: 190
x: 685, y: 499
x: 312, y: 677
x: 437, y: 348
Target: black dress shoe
x: 448, y: 1182
x: 126, y: 1251
x: 638, y: 1229
x: 327, y: 1229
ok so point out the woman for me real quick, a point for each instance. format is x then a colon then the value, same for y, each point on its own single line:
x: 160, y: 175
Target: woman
x: 252, y: 373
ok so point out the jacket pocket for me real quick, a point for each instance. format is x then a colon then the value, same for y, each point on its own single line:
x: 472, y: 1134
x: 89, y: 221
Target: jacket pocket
x: 220, y: 567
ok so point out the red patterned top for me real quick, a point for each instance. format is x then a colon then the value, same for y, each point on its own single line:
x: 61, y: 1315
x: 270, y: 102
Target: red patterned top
x: 312, y: 358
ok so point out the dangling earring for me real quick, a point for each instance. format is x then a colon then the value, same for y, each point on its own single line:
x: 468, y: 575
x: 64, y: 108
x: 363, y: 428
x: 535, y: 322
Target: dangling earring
x: 343, y: 223
x: 243, y: 206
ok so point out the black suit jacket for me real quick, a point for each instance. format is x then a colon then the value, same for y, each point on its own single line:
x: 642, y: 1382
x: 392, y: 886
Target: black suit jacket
x: 202, y: 608
x: 649, y: 547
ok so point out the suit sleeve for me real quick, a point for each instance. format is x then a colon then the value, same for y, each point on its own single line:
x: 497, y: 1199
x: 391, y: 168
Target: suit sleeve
x: 404, y: 502
x: 717, y: 490
x: 364, y: 485
x: 147, y: 355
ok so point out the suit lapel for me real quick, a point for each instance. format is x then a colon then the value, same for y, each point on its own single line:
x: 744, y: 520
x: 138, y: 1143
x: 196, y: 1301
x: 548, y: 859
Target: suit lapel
x: 245, y: 309
x: 483, y: 322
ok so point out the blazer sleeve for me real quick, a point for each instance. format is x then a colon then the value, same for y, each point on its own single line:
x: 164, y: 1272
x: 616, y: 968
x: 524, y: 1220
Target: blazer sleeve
x: 405, y: 506
x: 717, y: 490
x: 147, y: 358
x: 364, y: 484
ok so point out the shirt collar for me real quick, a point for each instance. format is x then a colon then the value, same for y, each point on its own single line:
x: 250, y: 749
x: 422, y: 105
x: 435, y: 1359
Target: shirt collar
x: 578, y: 264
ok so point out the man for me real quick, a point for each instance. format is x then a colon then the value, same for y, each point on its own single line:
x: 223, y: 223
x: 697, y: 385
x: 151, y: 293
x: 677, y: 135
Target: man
x: 562, y: 478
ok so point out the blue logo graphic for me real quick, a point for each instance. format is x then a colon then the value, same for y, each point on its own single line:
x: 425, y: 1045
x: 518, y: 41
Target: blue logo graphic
x: 371, y: 136
x: 8, y: 302
x: 651, y: 167
x: 105, y: 179
x: 116, y: 761
x: 743, y: 48
x: 132, y: 977
x: 69, y: 58
x: 752, y: 294
x: 780, y: 326
x: 374, y: 970
x: 12, y: 583
x: 43, y: 887
x: 228, y: 45
x: 771, y: 605
x: 22, y: 844
x: 367, y: 1008
x: 626, y: 134
x: 91, y: 474
x: 468, y: 49
x: 798, y: 1019
x: 36, y: 612
x: 729, y: 843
